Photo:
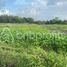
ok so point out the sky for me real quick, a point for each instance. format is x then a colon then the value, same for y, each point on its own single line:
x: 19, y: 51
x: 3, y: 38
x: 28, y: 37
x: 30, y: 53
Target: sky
x: 37, y: 9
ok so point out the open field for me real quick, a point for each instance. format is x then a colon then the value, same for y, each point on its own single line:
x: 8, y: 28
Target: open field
x: 51, y: 27
x: 31, y: 45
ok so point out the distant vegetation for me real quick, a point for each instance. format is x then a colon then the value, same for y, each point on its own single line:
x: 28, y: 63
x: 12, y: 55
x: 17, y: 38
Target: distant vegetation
x: 16, y: 19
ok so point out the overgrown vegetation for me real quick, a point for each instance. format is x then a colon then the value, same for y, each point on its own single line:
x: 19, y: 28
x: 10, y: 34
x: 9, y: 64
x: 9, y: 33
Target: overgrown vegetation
x: 33, y: 46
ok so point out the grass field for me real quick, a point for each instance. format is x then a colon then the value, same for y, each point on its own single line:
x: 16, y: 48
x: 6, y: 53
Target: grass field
x: 31, y: 45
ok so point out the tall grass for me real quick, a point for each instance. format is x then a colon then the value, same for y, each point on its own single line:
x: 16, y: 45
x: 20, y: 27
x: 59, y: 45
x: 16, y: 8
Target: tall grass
x: 32, y: 47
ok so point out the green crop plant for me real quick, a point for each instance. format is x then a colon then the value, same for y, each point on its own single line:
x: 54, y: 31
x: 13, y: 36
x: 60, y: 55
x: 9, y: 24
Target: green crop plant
x: 33, y: 46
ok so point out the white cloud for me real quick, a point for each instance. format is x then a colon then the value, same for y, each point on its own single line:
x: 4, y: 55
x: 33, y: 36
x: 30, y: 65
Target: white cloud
x: 41, y: 9
x: 5, y: 12
x: 43, y: 2
x: 61, y: 3
x: 33, y: 10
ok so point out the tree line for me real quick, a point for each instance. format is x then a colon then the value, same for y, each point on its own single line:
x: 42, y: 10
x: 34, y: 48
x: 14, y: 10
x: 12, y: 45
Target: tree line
x: 16, y: 19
